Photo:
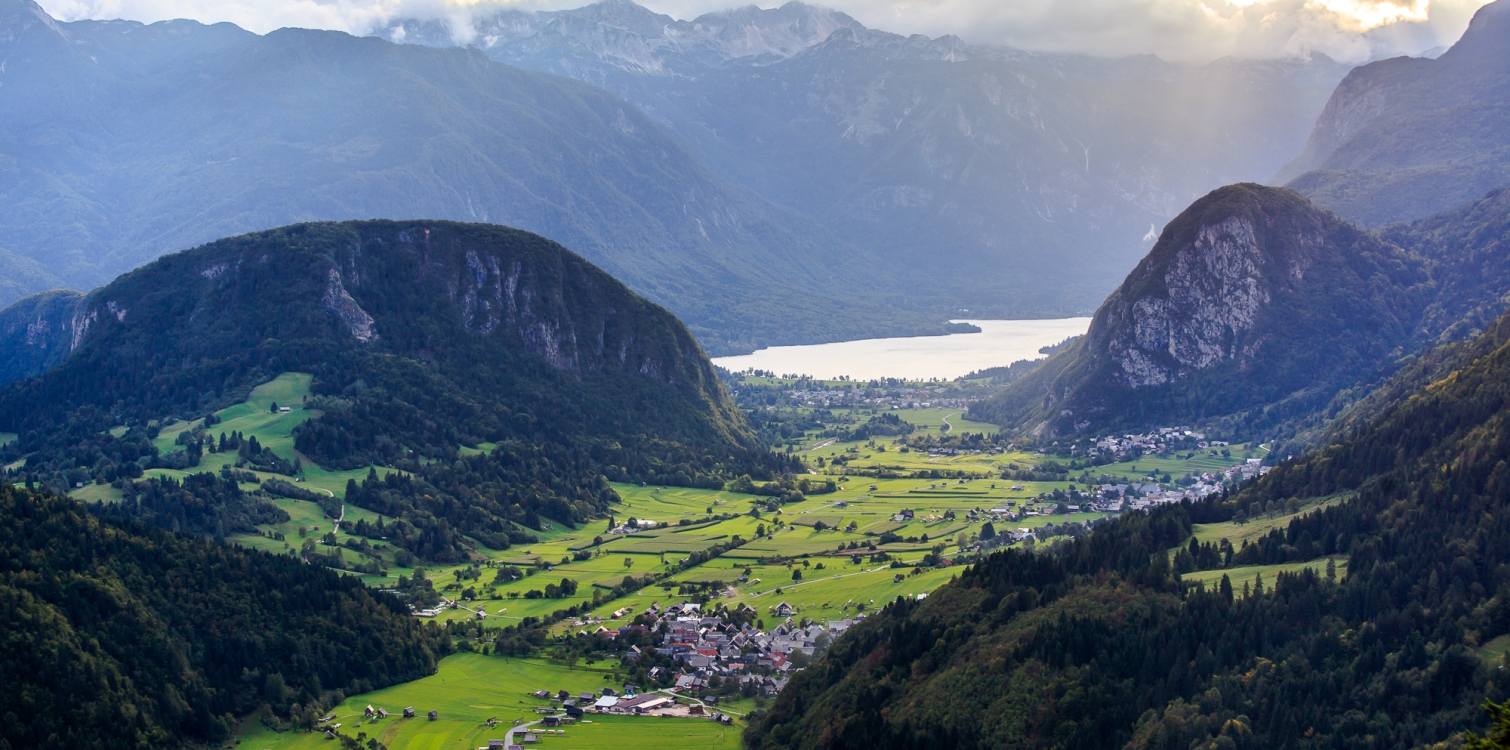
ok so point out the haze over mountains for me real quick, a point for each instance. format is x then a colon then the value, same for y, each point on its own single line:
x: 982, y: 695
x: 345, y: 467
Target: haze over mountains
x: 1257, y: 307
x: 777, y: 176
x: 123, y: 142
x: 1406, y: 138
x: 944, y: 157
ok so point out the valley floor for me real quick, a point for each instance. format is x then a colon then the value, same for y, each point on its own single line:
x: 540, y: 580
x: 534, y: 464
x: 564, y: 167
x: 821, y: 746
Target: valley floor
x: 824, y: 557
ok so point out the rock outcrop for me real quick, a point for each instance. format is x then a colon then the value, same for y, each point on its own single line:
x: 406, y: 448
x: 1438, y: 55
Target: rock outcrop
x: 1252, y: 301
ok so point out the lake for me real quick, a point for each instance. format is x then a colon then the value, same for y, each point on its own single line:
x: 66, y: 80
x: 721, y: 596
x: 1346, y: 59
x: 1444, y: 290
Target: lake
x: 1000, y: 342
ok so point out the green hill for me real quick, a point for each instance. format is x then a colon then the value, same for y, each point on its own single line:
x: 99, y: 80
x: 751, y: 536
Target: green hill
x: 423, y: 338
x: 118, y: 636
x: 104, y: 169
x: 1260, y: 313
x: 1097, y: 643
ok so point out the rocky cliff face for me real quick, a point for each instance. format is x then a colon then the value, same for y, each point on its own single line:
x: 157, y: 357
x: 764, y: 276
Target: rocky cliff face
x: 38, y: 332
x: 1252, y: 301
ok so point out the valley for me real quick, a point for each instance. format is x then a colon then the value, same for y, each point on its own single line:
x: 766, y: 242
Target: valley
x: 763, y: 380
x: 831, y: 557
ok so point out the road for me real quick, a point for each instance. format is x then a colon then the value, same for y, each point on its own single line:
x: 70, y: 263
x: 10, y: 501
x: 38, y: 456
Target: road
x: 508, y: 737
x: 705, y: 706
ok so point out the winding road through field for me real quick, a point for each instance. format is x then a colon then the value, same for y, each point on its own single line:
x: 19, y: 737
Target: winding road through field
x: 508, y: 737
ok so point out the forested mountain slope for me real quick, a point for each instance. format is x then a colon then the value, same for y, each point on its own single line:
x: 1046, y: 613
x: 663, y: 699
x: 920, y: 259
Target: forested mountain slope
x: 126, y: 637
x: 1099, y: 644
x: 1257, y: 311
x: 120, y: 142
x: 1406, y: 138
x: 1003, y: 181
x: 423, y: 338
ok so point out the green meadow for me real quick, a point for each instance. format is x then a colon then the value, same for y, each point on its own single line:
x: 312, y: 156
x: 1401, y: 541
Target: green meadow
x: 468, y: 689
x: 798, y: 554
x: 1250, y: 574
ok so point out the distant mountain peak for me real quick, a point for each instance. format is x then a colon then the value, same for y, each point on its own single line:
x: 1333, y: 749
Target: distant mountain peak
x: 623, y: 35
x: 17, y: 16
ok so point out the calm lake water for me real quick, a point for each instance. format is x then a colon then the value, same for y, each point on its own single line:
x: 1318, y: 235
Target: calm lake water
x: 1000, y: 342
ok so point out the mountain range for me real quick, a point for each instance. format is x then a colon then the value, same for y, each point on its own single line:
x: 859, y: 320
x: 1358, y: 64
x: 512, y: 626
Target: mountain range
x: 1407, y: 138
x: 122, y: 142
x: 942, y: 157
x: 1259, y: 311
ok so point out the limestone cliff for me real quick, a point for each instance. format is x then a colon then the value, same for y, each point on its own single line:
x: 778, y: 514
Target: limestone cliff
x: 1252, y: 302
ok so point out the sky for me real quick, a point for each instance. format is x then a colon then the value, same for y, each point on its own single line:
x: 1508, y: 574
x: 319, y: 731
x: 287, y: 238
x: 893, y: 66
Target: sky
x: 1190, y: 30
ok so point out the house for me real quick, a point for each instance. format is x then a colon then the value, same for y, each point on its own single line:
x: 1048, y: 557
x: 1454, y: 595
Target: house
x: 785, y: 610
x: 574, y: 712
x: 495, y: 744
x: 434, y: 715
x: 551, y: 721
x: 409, y: 712
x: 382, y: 714
x: 585, y: 698
x: 605, y: 703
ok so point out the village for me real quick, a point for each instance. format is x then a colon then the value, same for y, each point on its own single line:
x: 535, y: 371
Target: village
x: 704, y: 651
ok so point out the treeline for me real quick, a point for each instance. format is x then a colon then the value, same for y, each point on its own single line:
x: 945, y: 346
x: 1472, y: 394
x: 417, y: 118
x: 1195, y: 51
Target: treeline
x: 200, y: 504
x: 1099, y: 644
x: 123, y: 636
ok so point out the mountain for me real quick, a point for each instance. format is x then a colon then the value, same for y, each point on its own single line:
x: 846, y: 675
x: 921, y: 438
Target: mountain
x: 122, y: 636
x: 423, y: 338
x: 1407, y: 138
x: 1254, y: 305
x: 1287, y: 329
x: 1104, y: 642
x: 944, y: 159
x: 120, y: 142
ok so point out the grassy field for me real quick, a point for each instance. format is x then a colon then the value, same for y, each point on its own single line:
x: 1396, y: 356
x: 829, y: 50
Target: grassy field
x: 1249, y: 574
x: 1240, y: 533
x: 469, y: 689
x: 798, y: 554
x: 1495, y: 649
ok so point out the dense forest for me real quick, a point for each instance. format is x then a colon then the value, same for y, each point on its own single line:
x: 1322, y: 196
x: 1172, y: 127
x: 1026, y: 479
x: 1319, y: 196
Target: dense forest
x: 122, y: 636
x: 423, y: 338
x: 1098, y: 643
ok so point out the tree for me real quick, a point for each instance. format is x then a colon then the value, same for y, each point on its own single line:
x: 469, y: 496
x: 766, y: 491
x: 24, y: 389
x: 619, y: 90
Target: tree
x: 628, y: 563
x: 987, y: 532
x: 1499, y: 733
x: 796, y: 574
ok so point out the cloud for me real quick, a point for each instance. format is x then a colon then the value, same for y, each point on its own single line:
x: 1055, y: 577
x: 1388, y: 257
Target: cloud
x: 1351, y: 30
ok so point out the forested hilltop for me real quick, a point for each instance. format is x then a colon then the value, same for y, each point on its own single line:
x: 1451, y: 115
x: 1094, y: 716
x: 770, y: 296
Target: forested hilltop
x: 1258, y: 313
x: 1105, y: 642
x: 120, y: 636
x: 424, y: 339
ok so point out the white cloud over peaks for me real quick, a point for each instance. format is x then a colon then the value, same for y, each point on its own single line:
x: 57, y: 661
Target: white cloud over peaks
x: 1351, y: 30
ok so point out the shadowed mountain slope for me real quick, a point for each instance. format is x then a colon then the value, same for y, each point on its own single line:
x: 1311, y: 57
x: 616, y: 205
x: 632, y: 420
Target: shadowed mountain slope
x: 1407, y: 138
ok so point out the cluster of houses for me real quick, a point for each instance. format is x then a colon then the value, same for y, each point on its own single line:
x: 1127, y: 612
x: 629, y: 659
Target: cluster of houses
x: 942, y: 396
x: 706, y: 646
x: 625, y: 528
x: 1122, y: 447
